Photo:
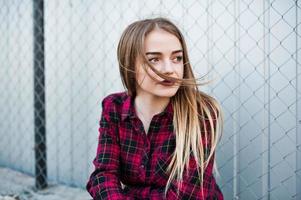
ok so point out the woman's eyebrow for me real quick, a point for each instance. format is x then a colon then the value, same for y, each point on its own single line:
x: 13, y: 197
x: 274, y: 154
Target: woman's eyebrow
x: 159, y: 53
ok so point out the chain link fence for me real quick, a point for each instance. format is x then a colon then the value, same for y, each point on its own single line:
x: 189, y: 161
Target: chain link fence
x: 58, y: 60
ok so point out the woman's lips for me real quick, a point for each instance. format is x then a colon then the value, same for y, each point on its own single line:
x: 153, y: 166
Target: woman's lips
x: 167, y: 83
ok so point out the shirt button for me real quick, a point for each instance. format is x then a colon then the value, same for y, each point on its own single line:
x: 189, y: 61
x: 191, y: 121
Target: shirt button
x: 142, y: 166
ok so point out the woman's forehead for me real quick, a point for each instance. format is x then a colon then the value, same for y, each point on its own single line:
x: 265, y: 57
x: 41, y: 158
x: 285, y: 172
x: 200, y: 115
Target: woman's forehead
x: 161, y: 41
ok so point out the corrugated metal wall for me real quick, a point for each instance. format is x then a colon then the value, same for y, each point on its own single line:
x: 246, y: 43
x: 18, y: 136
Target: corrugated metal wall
x: 251, y: 48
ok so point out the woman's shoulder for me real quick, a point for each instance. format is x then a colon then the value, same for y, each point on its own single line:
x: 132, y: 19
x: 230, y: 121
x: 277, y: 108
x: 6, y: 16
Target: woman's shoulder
x: 116, y: 99
x: 113, y: 105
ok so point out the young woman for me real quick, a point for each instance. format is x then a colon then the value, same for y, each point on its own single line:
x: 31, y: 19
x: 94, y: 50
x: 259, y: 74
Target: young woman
x: 158, y: 139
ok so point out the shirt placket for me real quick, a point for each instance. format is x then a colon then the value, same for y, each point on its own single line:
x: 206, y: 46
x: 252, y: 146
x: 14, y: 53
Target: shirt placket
x: 145, y: 162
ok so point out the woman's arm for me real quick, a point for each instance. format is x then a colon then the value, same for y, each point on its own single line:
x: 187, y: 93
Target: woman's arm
x: 190, y: 186
x: 150, y: 193
x: 104, y: 182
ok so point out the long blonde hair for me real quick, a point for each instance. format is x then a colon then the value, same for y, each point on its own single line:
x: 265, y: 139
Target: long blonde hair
x: 192, y: 108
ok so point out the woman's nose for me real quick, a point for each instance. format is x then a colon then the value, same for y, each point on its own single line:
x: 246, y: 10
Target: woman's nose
x: 167, y: 67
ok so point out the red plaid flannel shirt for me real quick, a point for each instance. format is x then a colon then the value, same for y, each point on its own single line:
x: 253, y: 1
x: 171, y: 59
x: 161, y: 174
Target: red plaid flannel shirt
x: 125, y: 153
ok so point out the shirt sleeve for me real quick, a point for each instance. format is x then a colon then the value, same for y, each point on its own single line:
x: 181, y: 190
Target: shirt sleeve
x: 104, y: 182
x: 150, y: 193
x: 190, y: 188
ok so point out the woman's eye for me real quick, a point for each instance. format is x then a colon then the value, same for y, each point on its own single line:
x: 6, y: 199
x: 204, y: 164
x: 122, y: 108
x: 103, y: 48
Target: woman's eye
x: 153, y: 60
x: 178, y: 58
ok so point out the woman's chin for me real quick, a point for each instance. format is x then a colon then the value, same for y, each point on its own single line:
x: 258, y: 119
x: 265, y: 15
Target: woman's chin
x: 166, y: 93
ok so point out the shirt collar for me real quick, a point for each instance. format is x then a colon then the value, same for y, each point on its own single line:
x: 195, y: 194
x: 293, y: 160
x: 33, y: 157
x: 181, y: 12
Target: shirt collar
x: 128, y: 109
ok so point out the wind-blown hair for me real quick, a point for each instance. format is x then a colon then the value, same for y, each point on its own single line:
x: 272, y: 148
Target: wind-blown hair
x: 193, y: 109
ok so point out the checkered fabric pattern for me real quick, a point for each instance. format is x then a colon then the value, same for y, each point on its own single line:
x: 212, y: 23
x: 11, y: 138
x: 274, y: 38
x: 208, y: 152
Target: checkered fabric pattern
x: 126, y: 154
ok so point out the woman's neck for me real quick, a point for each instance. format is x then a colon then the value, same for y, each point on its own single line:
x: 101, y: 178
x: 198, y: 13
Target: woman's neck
x: 149, y: 105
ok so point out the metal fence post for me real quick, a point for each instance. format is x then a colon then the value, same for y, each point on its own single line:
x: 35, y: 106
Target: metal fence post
x: 298, y: 106
x: 39, y: 96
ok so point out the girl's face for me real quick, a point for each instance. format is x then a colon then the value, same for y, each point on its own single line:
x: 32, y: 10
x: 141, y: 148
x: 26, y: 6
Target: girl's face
x: 165, y: 52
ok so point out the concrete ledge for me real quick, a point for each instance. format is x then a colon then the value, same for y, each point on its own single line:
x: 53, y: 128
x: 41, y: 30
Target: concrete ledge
x: 18, y: 186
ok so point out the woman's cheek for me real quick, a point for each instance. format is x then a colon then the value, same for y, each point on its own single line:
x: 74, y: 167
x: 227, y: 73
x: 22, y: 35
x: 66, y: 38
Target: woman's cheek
x: 154, y: 75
